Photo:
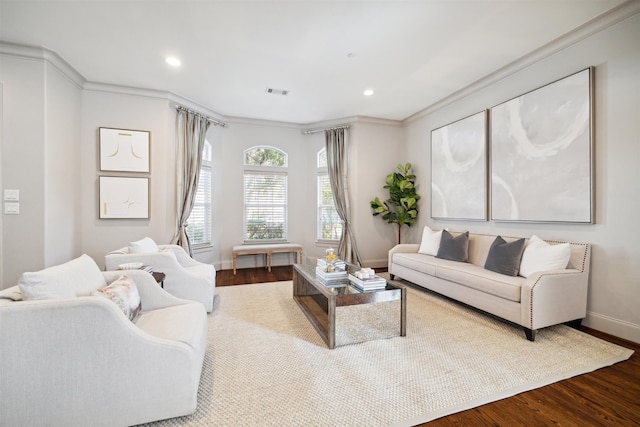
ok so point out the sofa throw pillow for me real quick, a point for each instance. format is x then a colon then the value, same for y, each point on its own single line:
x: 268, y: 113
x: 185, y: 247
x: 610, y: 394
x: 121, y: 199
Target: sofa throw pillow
x: 541, y: 256
x: 146, y: 245
x: 124, y: 292
x: 454, y: 248
x: 77, y: 277
x: 504, y: 258
x: 430, y: 241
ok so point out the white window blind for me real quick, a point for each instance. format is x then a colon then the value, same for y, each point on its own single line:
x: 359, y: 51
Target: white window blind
x: 200, y: 220
x: 265, y: 206
x: 329, y: 223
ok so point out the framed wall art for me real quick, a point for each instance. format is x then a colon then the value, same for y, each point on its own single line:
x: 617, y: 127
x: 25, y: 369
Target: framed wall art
x: 541, y: 153
x: 124, y: 197
x: 124, y: 150
x: 459, y: 169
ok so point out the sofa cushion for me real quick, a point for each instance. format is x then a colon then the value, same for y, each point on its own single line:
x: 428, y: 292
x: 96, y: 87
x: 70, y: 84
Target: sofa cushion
x: 415, y: 261
x: 504, y: 258
x: 541, y: 256
x: 124, y: 292
x: 146, y: 245
x: 78, y: 277
x: 476, y: 277
x: 430, y: 241
x: 454, y: 248
x: 186, y: 323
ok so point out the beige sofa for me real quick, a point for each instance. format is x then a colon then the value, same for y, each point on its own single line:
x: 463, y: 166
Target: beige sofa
x: 542, y: 299
x: 78, y: 360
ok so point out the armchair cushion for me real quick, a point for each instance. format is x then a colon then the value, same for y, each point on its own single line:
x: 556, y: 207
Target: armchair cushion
x: 146, y: 245
x: 78, y: 277
x: 124, y: 292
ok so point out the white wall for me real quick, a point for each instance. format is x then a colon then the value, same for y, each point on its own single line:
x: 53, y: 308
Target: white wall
x: 375, y: 151
x: 150, y: 111
x: 62, y: 171
x: 235, y: 139
x: 41, y: 103
x: 614, y: 291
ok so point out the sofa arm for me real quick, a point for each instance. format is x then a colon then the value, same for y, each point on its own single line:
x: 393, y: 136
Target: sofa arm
x: 152, y: 295
x: 401, y: 248
x: 181, y: 255
x: 158, y: 260
x: 553, y: 297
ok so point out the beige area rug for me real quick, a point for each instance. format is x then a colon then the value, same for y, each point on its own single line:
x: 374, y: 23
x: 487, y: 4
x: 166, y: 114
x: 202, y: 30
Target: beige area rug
x: 267, y: 366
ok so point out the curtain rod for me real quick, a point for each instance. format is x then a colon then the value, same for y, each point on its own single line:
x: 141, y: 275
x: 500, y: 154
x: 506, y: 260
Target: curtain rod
x: 310, y: 131
x: 212, y: 120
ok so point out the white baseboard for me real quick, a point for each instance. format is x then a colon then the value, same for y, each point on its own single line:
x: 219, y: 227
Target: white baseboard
x: 619, y: 328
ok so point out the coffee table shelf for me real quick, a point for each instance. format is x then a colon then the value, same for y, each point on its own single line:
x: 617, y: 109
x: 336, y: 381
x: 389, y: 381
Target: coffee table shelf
x: 327, y: 308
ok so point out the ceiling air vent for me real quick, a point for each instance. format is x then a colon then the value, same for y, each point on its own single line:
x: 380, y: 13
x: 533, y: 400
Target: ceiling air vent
x: 277, y: 91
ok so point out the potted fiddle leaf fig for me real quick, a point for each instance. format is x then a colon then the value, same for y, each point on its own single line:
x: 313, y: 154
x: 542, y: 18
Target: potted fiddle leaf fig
x: 402, y: 205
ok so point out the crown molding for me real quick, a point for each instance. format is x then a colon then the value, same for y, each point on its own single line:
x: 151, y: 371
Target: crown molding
x: 596, y: 25
x: 43, y: 54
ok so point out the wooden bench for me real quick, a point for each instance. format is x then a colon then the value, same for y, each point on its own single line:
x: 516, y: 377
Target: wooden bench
x: 267, y: 250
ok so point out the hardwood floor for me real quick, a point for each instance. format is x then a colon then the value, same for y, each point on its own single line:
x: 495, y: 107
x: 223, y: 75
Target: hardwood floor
x: 606, y: 397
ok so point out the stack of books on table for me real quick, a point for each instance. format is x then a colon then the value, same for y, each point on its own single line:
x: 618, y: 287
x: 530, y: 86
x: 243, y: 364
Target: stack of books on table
x: 336, y: 277
x: 339, y: 264
x: 368, y: 282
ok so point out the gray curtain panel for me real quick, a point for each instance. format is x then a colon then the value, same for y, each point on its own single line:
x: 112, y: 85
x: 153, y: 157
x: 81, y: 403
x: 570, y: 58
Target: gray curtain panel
x: 337, y: 168
x: 192, y: 129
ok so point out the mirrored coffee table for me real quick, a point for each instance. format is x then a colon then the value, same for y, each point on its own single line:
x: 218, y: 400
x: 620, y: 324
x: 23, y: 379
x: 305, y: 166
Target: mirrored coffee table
x: 344, y: 314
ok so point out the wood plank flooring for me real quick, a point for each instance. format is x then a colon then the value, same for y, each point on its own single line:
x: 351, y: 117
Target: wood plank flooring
x: 606, y: 397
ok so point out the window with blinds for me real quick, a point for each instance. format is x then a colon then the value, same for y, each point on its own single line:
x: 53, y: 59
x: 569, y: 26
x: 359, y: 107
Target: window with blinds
x: 265, y: 195
x: 200, y: 220
x: 329, y: 225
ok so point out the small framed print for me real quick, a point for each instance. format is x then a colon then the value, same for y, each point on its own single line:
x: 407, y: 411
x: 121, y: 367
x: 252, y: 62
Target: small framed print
x: 124, y: 150
x: 124, y: 197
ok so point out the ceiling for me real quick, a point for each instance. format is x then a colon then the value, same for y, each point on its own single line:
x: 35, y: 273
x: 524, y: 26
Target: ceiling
x: 325, y: 53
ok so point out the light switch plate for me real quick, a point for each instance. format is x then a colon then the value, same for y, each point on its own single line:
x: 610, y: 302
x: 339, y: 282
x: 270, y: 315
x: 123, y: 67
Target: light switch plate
x: 11, y: 195
x: 12, y: 208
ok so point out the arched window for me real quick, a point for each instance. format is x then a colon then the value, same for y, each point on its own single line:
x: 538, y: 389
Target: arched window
x: 200, y: 220
x: 329, y: 225
x: 265, y: 194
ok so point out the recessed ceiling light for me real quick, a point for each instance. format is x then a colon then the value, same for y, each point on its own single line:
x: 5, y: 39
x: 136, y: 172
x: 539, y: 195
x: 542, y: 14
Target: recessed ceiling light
x: 173, y: 61
x: 368, y: 92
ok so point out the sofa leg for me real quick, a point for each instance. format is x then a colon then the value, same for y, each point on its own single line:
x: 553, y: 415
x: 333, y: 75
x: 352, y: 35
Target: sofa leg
x: 575, y: 324
x: 530, y: 333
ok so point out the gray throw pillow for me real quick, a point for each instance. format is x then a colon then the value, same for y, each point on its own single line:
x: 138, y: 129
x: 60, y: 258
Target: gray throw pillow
x: 505, y: 257
x: 454, y: 248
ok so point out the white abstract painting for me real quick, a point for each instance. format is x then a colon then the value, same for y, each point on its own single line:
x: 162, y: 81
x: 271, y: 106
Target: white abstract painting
x: 541, y: 154
x: 458, y: 169
x: 122, y: 197
x: 124, y: 150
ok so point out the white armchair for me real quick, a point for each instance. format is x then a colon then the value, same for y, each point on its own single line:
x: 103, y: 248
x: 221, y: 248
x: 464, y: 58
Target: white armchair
x: 73, y: 359
x: 185, y: 277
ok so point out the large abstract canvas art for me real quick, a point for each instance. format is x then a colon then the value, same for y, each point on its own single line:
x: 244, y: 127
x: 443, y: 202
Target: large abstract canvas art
x: 458, y: 169
x: 541, y: 154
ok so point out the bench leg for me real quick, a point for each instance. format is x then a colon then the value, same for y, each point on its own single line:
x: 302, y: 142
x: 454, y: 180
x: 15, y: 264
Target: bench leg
x: 269, y: 262
x: 234, y: 264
